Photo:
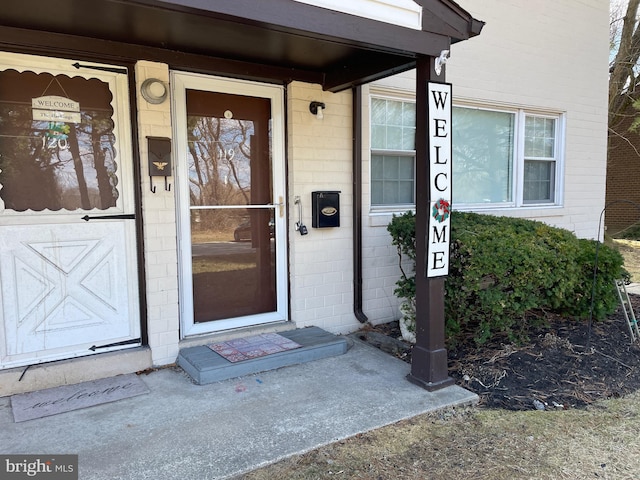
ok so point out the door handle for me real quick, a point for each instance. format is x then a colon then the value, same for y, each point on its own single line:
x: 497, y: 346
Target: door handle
x: 280, y: 206
x: 124, y: 216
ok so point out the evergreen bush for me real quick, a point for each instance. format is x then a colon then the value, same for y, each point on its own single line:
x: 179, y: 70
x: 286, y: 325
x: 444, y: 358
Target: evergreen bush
x: 501, y: 269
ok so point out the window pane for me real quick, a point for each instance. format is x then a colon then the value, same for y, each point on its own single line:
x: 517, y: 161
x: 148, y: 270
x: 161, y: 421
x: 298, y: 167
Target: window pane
x: 377, y: 162
x: 390, y: 168
x: 405, y: 192
x: 409, y: 115
x: 405, y: 168
x: 378, y: 111
x: 408, y: 126
x: 408, y: 138
x: 392, y: 180
x: 376, y: 193
x: 394, y: 138
x: 539, y: 181
x: 390, y: 192
x: 394, y: 113
x: 393, y: 128
x: 540, y: 135
x: 67, y: 162
x: 482, y: 156
x: 392, y: 124
x: 378, y: 136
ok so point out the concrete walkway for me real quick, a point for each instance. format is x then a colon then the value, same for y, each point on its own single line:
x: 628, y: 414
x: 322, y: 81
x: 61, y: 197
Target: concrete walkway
x: 185, y: 431
x: 633, y: 288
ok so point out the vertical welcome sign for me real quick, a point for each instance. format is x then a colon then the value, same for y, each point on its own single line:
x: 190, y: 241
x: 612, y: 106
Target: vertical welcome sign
x: 439, y: 141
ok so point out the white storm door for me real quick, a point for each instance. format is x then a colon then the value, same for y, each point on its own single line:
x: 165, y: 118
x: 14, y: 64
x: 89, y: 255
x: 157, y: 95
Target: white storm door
x: 230, y: 175
x: 68, y: 261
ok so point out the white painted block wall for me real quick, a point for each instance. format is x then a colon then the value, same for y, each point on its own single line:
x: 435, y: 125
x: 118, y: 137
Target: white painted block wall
x: 158, y: 209
x: 319, y: 158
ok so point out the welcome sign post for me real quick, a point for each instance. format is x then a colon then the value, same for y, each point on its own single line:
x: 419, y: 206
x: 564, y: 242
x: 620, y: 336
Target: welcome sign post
x: 429, y: 366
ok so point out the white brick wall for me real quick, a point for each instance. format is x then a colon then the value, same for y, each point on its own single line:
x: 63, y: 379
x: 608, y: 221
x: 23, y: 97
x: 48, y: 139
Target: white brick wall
x: 319, y: 156
x: 158, y: 210
x: 544, y: 54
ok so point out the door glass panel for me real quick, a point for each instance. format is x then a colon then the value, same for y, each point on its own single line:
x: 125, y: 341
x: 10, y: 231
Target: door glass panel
x: 233, y: 263
x: 57, y: 146
x: 232, y: 223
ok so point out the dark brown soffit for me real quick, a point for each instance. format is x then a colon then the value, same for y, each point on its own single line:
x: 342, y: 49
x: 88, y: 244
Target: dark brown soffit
x: 292, y: 40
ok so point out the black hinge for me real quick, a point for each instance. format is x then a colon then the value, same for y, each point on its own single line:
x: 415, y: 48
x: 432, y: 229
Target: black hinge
x: 124, y: 216
x: 117, y: 344
x: 103, y: 69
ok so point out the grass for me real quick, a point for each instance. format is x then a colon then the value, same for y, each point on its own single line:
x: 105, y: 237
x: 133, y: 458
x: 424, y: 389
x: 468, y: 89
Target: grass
x: 630, y: 250
x: 205, y: 236
x: 598, y: 442
x: 228, y: 263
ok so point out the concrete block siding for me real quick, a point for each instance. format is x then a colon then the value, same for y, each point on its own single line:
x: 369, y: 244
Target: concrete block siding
x: 161, y: 255
x: 319, y: 158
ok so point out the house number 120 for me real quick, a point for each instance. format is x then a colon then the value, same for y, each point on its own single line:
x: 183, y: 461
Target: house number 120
x: 52, y: 142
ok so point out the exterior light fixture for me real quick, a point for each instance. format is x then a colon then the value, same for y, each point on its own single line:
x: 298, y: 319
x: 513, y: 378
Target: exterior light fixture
x: 440, y: 61
x: 316, y: 108
x: 154, y: 91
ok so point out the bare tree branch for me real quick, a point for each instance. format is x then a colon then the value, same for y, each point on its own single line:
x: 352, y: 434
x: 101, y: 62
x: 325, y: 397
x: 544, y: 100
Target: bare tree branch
x: 622, y: 77
x: 613, y: 132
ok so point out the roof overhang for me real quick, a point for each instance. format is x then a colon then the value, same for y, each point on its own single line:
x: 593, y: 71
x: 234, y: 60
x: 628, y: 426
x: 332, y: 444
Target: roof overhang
x: 298, y: 40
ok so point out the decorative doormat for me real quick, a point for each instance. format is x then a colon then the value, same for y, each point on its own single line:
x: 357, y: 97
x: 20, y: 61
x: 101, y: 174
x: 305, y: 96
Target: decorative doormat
x: 247, y: 348
x: 43, y: 403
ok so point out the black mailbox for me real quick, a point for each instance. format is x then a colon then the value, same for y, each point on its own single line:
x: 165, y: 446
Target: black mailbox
x: 326, y: 209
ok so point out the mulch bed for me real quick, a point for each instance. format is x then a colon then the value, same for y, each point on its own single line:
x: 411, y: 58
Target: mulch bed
x: 564, y: 365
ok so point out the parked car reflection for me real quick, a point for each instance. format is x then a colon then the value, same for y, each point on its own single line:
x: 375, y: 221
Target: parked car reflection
x: 243, y: 231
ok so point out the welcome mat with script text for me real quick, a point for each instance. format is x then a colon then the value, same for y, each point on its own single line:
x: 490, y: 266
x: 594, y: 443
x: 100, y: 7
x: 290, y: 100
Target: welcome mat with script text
x: 247, y: 348
x: 51, y: 401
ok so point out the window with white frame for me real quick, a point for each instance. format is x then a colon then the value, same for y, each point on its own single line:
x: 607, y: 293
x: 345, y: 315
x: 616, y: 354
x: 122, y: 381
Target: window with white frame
x: 501, y: 157
x: 393, y: 154
x: 540, y: 159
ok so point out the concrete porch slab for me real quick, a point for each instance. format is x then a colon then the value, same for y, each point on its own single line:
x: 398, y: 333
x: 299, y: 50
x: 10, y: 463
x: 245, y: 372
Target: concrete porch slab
x: 220, y: 430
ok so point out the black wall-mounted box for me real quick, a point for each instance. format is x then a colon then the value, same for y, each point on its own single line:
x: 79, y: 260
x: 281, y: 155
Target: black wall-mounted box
x: 159, y: 156
x: 326, y: 209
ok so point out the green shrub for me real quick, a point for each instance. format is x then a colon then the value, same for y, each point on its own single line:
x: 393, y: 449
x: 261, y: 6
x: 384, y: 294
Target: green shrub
x: 501, y: 269
x: 403, y: 235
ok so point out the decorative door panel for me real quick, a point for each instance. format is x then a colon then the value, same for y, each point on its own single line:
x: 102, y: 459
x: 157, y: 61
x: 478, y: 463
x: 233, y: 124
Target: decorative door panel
x: 62, y: 287
x: 68, y: 259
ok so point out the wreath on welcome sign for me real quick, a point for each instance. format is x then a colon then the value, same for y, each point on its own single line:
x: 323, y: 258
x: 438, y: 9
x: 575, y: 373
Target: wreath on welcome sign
x: 441, y: 210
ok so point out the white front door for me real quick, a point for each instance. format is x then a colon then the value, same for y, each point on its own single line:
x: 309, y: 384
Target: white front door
x: 229, y: 141
x: 68, y: 268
